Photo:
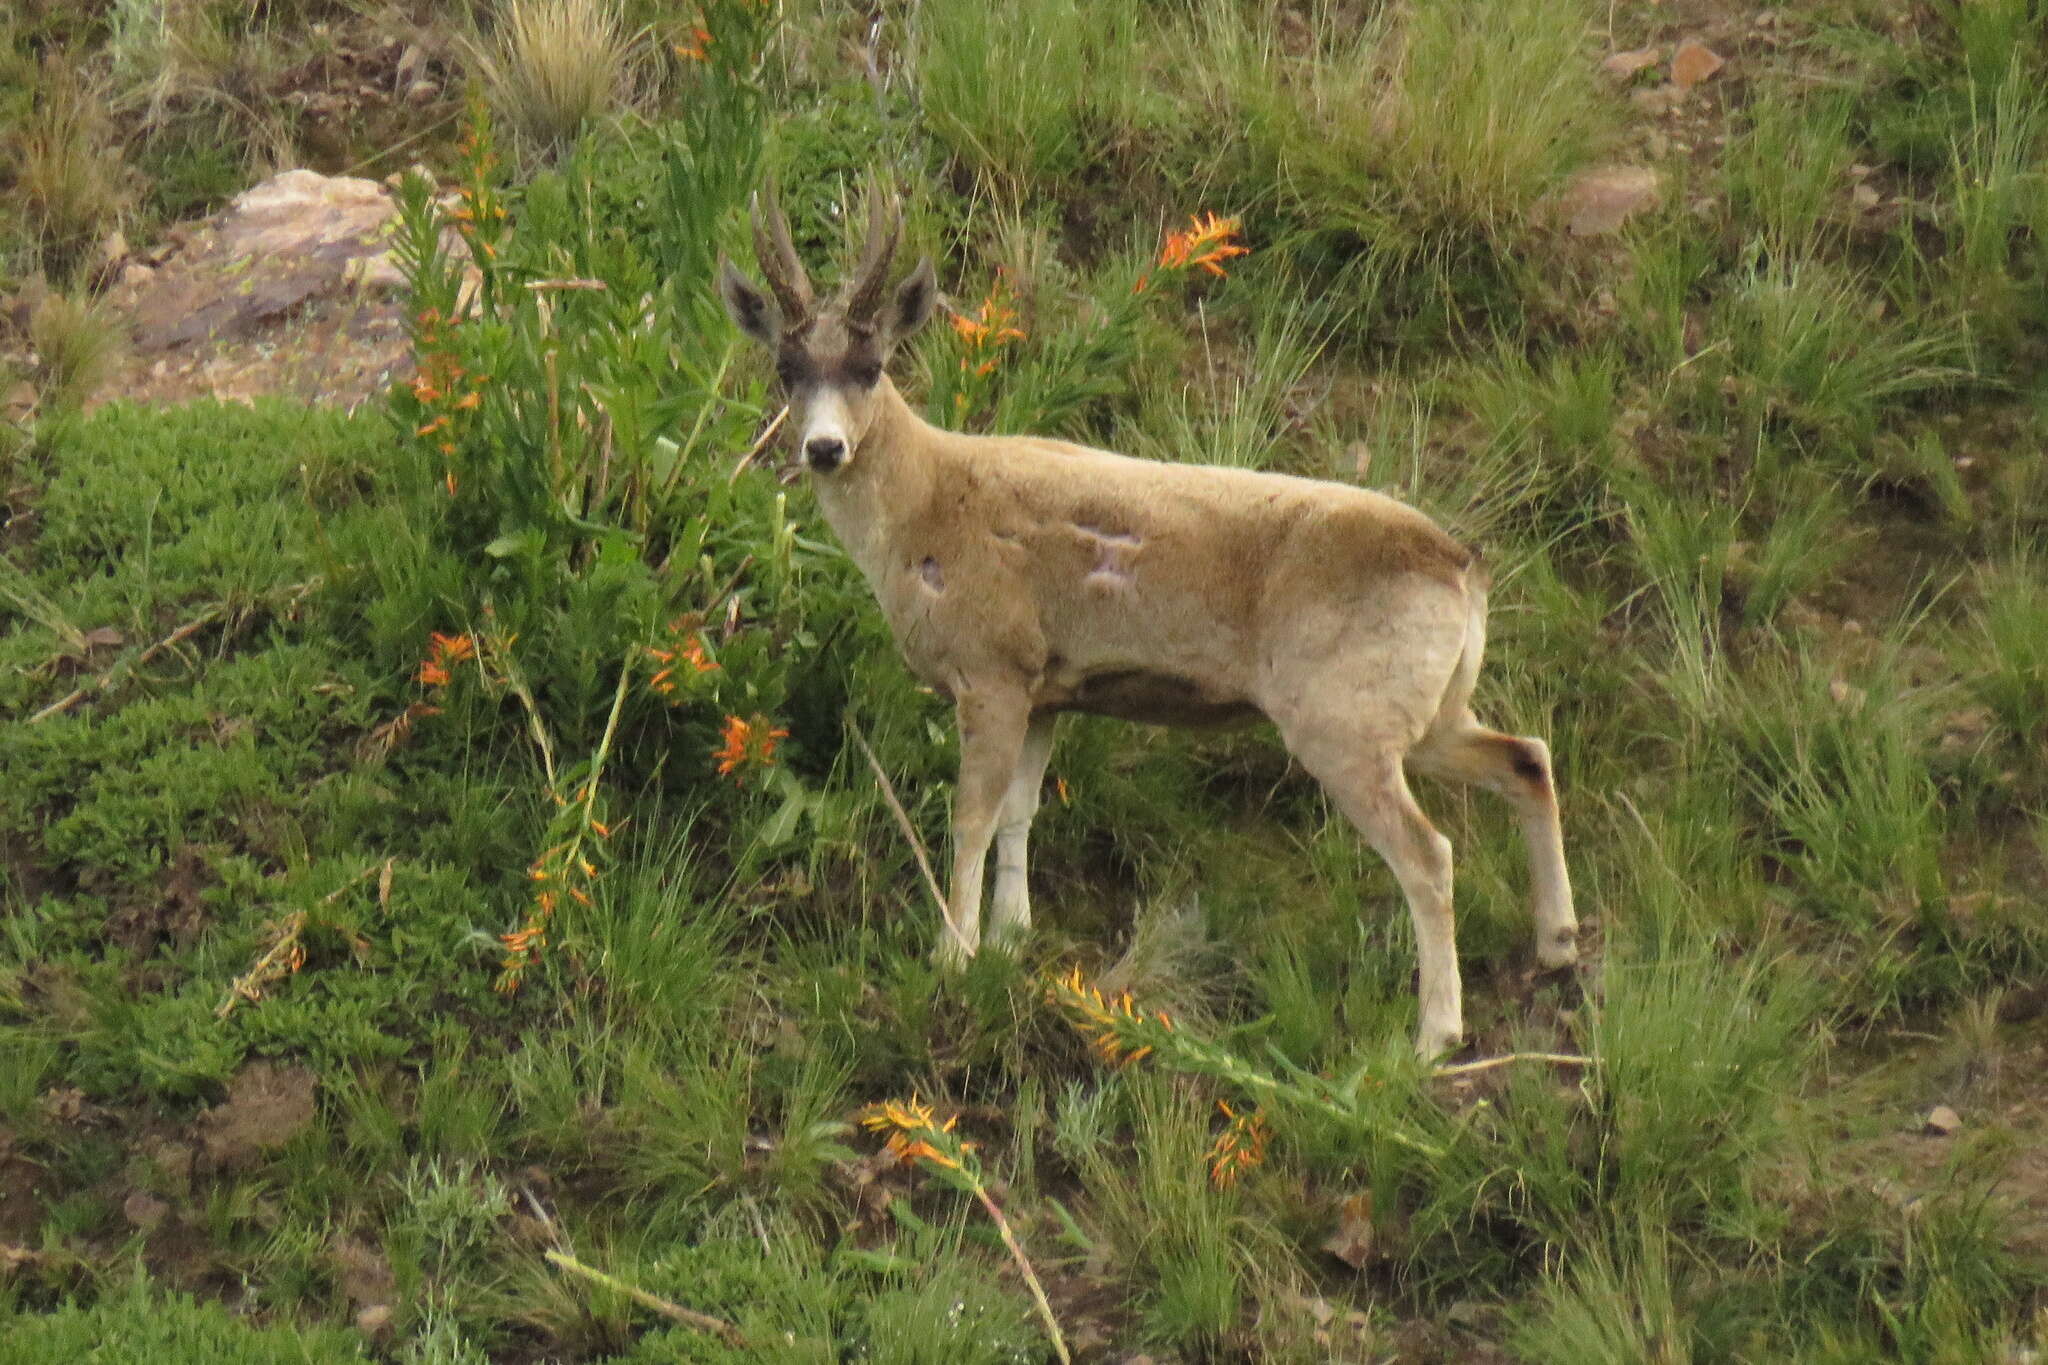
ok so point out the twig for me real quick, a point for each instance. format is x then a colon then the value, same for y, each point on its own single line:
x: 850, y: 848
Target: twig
x: 556, y: 286
x: 1052, y: 1324
x: 924, y: 864
x: 249, y: 985
x: 689, y: 1317
x: 176, y: 637
x: 1488, y: 1063
x: 760, y: 444
x: 106, y: 679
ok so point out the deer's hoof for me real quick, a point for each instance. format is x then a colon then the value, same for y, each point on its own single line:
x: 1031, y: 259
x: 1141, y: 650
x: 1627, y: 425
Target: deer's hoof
x: 1433, y: 1043
x: 1560, y: 949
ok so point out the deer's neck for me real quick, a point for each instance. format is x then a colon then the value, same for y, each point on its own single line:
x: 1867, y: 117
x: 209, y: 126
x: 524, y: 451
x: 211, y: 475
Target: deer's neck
x: 885, y: 484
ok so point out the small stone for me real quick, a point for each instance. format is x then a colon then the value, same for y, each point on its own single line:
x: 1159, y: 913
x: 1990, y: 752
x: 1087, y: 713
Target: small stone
x: 1628, y: 63
x: 1598, y: 202
x: 1941, y: 1121
x: 1692, y: 63
x: 375, y: 1321
x: 144, y: 1210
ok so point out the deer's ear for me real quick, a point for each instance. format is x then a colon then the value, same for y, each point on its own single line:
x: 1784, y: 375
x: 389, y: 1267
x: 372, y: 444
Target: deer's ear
x: 750, y: 309
x: 911, y: 306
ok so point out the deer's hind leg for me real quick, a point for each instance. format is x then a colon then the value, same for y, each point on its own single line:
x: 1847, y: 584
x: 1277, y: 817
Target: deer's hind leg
x: 1362, y: 773
x: 1463, y: 750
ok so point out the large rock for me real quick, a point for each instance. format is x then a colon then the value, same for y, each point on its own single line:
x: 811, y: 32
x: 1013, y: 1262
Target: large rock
x: 290, y: 289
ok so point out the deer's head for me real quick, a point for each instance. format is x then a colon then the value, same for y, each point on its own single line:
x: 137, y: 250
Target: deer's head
x: 829, y: 360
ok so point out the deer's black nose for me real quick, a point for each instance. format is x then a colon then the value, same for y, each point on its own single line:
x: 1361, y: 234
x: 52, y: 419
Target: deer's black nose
x: 824, y: 453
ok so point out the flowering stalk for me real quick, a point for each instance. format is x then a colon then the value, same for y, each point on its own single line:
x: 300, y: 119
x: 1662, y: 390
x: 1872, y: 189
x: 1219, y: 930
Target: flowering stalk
x: 983, y: 335
x: 915, y: 1136
x: 569, y: 867
x: 748, y: 744
x: 1203, y: 245
x: 1239, y: 1147
x: 1121, y: 1032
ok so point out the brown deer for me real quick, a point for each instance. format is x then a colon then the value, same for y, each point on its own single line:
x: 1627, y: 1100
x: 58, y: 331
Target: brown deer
x: 1023, y: 577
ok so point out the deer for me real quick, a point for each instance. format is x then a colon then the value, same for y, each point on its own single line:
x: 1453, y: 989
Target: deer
x: 1024, y: 577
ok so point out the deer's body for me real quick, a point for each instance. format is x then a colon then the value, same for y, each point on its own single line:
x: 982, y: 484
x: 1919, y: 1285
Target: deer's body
x: 1130, y: 588
x: 1023, y: 577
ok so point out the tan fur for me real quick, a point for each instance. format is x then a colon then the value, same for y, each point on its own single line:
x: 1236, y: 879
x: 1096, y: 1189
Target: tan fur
x: 1025, y: 577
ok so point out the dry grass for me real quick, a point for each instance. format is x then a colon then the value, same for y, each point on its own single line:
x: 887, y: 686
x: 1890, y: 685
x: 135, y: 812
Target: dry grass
x: 552, y: 67
x: 75, y: 346
x: 68, y: 178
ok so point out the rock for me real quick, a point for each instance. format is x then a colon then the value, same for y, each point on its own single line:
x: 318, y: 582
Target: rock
x: 1352, y: 1242
x: 375, y: 1321
x: 1693, y: 62
x: 1625, y: 64
x: 1941, y: 1121
x: 144, y: 1210
x: 292, y: 288
x: 1599, y: 201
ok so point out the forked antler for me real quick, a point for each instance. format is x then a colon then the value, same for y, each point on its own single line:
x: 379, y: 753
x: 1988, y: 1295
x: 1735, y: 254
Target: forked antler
x: 885, y: 228
x: 779, y: 265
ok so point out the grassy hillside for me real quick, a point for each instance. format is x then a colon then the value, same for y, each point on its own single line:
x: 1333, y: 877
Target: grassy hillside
x: 449, y: 912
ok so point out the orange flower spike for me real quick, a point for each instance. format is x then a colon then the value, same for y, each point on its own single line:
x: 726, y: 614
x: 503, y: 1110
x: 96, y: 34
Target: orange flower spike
x: 452, y: 648
x: 693, y: 654
x: 734, y: 752
x: 1205, y: 244
x: 971, y: 331
x: 698, y: 48
x: 432, y: 675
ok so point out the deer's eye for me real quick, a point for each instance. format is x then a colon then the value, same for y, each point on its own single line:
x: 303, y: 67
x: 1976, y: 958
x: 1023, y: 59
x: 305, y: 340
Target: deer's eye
x: 866, y: 373
x: 788, y: 372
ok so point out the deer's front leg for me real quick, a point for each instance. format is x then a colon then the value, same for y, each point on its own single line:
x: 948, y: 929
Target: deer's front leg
x: 992, y: 724
x: 1010, y: 906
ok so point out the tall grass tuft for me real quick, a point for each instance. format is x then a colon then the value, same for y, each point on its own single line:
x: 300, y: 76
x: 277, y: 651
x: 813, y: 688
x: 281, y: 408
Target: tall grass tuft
x: 67, y: 173
x: 1418, y: 120
x: 75, y: 345
x: 555, y: 66
x: 1809, y: 348
x: 1029, y: 92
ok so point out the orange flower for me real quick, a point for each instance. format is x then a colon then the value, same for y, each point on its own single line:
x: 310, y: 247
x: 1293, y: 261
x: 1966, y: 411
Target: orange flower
x: 1205, y: 244
x: 698, y: 48
x: 442, y: 651
x: 1238, y: 1148
x: 917, y: 1132
x: 748, y: 743
x: 993, y: 324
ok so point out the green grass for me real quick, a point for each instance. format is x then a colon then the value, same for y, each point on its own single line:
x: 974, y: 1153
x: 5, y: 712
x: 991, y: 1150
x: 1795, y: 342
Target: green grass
x: 1758, y: 479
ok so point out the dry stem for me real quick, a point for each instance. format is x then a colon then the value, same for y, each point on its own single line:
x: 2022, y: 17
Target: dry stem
x: 924, y: 864
x: 689, y: 1317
